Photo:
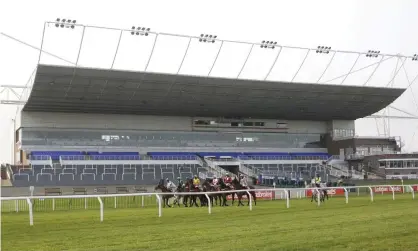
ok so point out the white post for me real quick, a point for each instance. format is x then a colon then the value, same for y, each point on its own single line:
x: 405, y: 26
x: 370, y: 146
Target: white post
x: 159, y: 205
x: 319, y: 197
x: 371, y: 194
x: 31, y: 189
x: 53, y: 204
x: 287, y: 199
x: 413, y: 192
x: 101, y: 208
x: 209, y: 204
x: 17, y: 206
x: 403, y: 188
x: 85, y: 203
x: 250, y: 199
x: 358, y: 191
x: 142, y: 200
x: 115, y: 202
x: 346, y: 195
x: 393, y: 192
x: 30, y: 211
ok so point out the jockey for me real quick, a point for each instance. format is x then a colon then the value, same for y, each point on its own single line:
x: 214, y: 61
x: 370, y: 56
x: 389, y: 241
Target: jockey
x: 179, y: 183
x: 171, y: 186
x: 318, y: 181
x: 228, y: 180
x: 196, y: 181
x: 214, y: 181
x: 243, y: 182
x: 313, y: 181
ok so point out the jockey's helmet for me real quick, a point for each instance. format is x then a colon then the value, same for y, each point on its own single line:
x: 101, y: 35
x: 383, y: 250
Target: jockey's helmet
x: 195, y: 176
x: 227, y: 174
x: 167, y: 179
x: 178, y: 178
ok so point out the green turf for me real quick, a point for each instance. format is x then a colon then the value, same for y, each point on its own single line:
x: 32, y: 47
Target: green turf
x: 360, y: 225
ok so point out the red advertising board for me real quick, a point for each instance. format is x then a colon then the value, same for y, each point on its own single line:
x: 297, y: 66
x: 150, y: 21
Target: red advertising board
x: 331, y: 191
x: 415, y: 188
x: 387, y: 189
x: 260, y: 195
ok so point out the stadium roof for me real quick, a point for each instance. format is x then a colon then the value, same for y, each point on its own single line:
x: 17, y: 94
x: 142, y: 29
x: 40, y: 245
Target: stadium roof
x: 86, y: 90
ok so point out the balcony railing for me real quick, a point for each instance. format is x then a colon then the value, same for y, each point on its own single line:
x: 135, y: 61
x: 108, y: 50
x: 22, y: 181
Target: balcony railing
x: 283, y: 157
x: 40, y: 157
x: 127, y: 157
x: 169, y: 157
x: 101, y: 157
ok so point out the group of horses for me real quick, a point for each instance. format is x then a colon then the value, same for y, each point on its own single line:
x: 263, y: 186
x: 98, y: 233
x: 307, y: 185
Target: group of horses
x: 206, y: 186
x: 323, y: 193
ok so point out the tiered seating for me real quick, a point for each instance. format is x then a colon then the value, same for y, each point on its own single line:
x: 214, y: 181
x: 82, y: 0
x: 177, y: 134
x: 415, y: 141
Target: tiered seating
x: 85, y: 175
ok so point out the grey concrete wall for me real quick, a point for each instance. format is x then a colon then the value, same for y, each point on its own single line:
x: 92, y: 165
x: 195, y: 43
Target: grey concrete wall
x: 105, y: 121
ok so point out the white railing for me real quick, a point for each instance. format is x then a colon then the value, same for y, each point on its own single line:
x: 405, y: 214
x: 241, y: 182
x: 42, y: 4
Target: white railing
x: 372, y: 190
x: 216, y: 169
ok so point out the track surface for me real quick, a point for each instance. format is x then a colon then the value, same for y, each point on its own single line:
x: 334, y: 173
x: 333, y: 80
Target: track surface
x: 360, y: 225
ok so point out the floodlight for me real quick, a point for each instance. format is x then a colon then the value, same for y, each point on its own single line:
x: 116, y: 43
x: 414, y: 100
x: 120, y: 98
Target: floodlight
x: 372, y: 54
x: 268, y: 44
x: 207, y: 38
x: 323, y: 49
x: 67, y: 23
x: 415, y: 57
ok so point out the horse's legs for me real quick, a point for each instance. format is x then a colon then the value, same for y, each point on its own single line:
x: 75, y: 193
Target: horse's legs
x: 240, y: 200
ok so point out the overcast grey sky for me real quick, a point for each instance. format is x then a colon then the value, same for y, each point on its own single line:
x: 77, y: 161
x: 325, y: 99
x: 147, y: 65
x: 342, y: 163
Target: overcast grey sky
x: 388, y: 26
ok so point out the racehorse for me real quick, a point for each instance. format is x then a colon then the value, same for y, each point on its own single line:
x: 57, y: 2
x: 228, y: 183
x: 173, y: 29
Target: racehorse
x: 238, y: 186
x: 224, y: 187
x: 323, y: 193
x: 189, y: 187
x: 208, y: 187
x: 166, y: 197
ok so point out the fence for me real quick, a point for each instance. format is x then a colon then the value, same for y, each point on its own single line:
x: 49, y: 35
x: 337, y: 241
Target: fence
x: 88, y: 200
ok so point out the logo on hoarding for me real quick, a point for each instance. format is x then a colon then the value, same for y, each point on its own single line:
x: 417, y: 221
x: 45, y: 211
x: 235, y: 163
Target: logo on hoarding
x: 387, y: 189
x: 263, y: 195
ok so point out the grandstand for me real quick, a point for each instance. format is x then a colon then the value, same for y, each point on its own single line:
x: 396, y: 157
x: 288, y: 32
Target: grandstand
x: 84, y: 126
x: 67, y: 142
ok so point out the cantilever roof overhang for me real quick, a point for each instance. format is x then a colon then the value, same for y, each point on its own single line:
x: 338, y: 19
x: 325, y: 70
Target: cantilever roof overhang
x: 86, y: 90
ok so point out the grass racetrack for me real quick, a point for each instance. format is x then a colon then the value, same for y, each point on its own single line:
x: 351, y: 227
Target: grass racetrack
x: 360, y: 225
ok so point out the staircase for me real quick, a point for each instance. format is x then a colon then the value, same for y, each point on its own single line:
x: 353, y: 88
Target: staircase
x: 248, y: 171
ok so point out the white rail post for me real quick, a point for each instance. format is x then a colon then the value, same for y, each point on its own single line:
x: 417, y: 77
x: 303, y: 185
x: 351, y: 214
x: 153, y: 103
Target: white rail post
x: 115, y: 202
x: 250, y: 199
x: 287, y: 198
x: 159, y: 205
x: 371, y: 194
x: 17, y: 206
x: 85, y: 203
x: 209, y: 204
x: 319, y: 197
x: 101, y: 208
x: 393, y: 192
x: 346, y: 195
x: 358, y: 191
x: 413, y: 192
x: 30, y: 211
x: 53, y: 204
x: 403, y: 188
x: 142, y: 200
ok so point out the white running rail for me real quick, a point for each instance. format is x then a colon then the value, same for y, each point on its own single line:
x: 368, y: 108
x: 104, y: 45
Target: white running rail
x: 286, y: 191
